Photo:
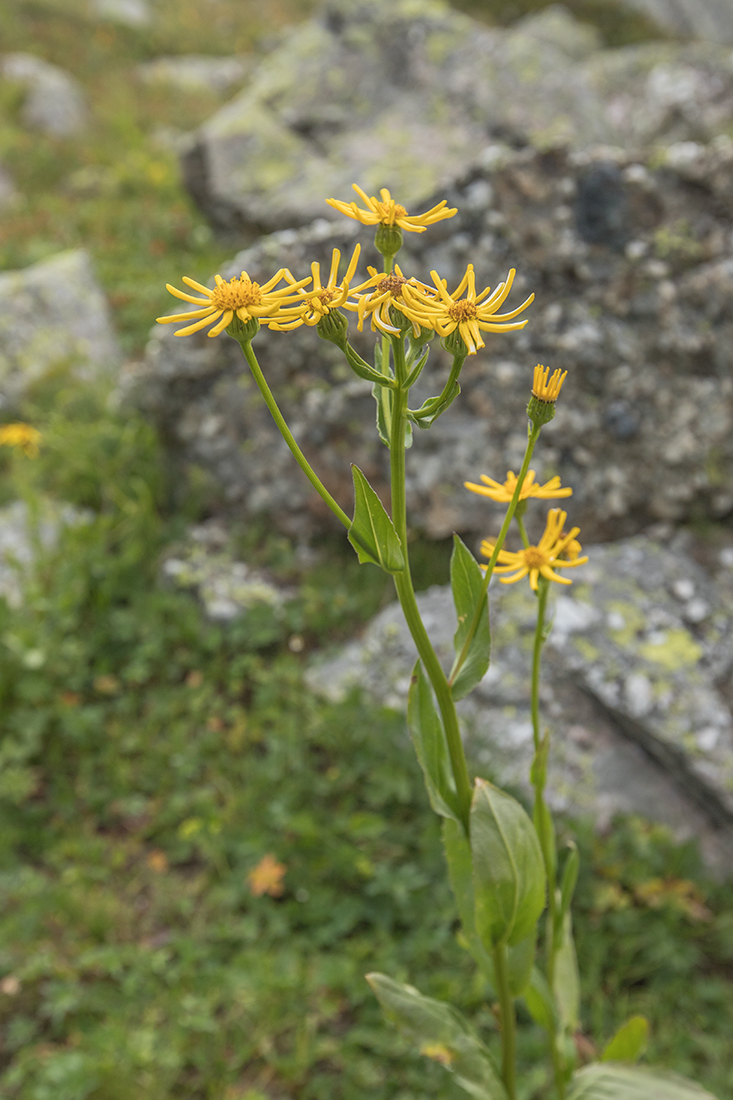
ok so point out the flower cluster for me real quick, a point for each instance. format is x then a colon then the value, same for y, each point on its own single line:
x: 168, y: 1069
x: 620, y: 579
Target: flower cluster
x: 385, y: 297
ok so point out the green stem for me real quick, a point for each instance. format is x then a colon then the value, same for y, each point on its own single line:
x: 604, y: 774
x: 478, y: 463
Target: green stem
x: 406, y: 591
x: 532, y: 437
x: 287, y: 435
x: 541, y: 821
x: 522, y: 528
x: 447, y: 392
x: 508, y: 1022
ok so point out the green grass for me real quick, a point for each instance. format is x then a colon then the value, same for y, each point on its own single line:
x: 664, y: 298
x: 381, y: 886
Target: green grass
x: 149, y: 759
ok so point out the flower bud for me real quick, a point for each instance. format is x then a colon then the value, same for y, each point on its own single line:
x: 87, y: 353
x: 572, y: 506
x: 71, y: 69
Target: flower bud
x: 243, y: 331
x: 333, y: 326
x: 388, y: 240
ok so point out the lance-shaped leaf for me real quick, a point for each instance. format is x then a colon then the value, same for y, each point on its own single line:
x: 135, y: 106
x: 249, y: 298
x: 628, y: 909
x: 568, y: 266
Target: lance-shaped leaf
x: 372, y: 532
x: 466, y: 581
x: 566, y: 985
x: 434, y: 407
x: 365, y: 371
x: 629, y: 1042
x: 606, y: 1081
x: 508, y: 871
x: 460, y: 873
x: 441, y: 1033
x: 428, y: 737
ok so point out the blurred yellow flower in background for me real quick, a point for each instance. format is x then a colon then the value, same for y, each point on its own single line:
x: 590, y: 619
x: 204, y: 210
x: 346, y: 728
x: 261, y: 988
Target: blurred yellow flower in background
x: 267, y: 877
x: 386, y: 211
x: 541, y: 560
x: 551, y: 490
x: 21, y: 437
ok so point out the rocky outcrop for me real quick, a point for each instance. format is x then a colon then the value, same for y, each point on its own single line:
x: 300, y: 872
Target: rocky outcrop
x: 195, y: 73
x: 54, y: 102
x: 53, y: 315
x: 631, y: 260
x: 708, y: 19
x: 390, y: 94
x: 632, y: 687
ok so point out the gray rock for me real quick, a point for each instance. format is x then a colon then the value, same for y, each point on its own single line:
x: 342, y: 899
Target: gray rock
x: 128, y: 13
x: 54, y: 101
x: 640, y: 315
x: 53, y: 314
x: 630, y: 687
x: 194, y: 73
x: 21, y: 538
x: 227, y: 588
x: 390, y: 93
x: 710, y: 19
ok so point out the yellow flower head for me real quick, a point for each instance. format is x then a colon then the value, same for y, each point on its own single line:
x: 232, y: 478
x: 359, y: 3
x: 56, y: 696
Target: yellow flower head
x: 471, y: 314
x: 439, y: 1052
x: 267, y: 877
x: 551, y: 553
x: 239, y: 297
x: 22, y: 437
x: 385, y: 291
x: 546, y: 388
x: 320, y: 300
x: 551, y: 490
x: 386, y: 211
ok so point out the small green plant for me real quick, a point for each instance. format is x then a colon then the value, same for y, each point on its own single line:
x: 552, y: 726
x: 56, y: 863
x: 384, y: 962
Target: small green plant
x: 506, y: 873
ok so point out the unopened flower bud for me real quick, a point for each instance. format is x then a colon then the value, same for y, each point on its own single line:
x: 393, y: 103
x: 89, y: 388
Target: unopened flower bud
x: 243, y: 331
x: 333, y: 326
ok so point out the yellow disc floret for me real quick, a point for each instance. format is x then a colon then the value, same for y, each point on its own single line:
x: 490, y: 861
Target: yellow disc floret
x: 555, y: 550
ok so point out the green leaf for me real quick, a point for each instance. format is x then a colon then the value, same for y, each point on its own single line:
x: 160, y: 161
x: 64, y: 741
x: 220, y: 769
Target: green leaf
x: 365, y: 371
x: 508, y: 871
x: 441, y: 1033
x: 538, y: 998
x: 605, y: 1081
x: 566, y: 985
x: 569, y: 878
x: 372, y: 532
x: 466, y: 582
x: 520, y: 960
x: 629, y: 1042
x: 431, y: 409
x: 460, y: 873
x: 428, y: 737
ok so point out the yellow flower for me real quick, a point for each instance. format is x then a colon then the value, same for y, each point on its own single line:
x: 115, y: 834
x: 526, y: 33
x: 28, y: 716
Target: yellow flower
x: 386, y: 291
x: 388, y: 212
x: 239, y: 296
x: 470, y: 315
x: 550, y: 554
x: 551, y: 490
x: 545, y: 388
x: 20, y: 436
x: 320, y: 300
x: 439, y: 1052
x: 267, y: 877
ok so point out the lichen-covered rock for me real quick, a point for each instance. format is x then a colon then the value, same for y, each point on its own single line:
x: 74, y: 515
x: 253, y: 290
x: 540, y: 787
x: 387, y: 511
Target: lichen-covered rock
x: 631, y: 261
x: 387, y: 92
x: 710, y: 19
x: 630, y: 685
x: 404, y: 95
x: 53, y: 314
x: 196, y: 72
x: 54, y: 101
x: 227, y: 588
